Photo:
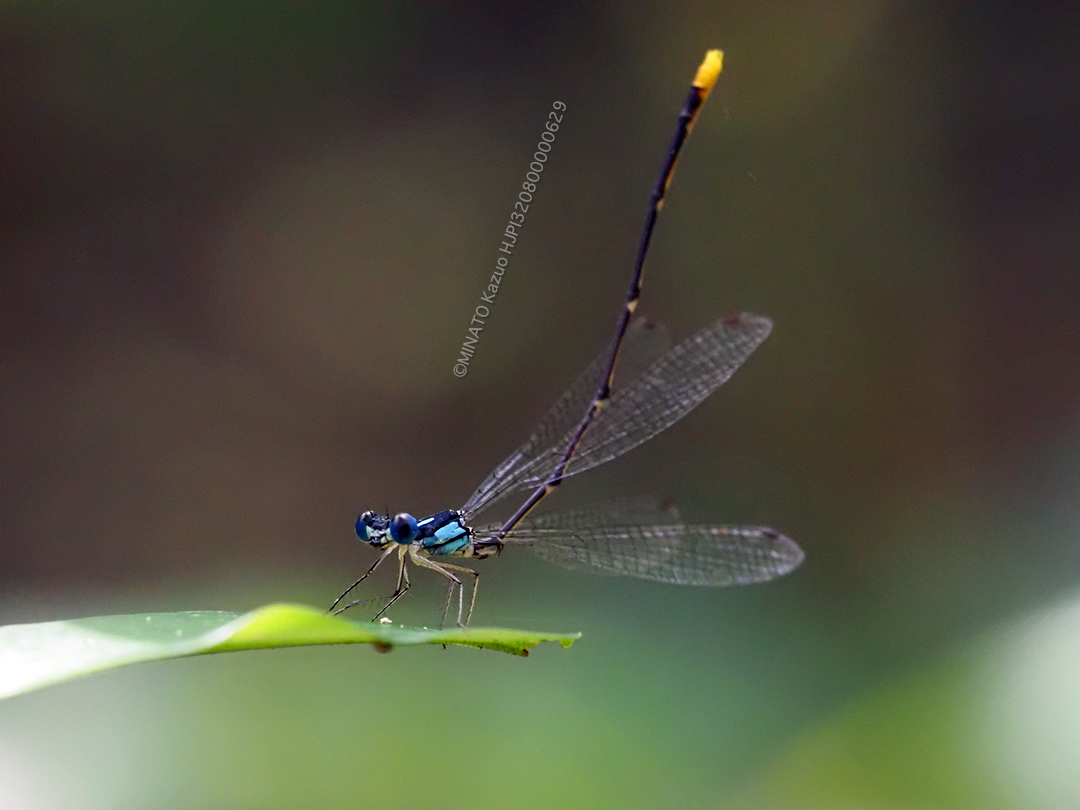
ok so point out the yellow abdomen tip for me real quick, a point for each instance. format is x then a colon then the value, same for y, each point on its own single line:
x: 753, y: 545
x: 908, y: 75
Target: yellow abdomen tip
x: 709, y: 71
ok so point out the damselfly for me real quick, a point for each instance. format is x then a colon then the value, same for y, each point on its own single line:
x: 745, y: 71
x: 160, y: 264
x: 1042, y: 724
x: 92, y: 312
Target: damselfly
x: 595, y: 421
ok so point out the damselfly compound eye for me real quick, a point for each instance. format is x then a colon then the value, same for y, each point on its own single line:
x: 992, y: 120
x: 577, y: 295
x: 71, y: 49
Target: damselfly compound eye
x: 403, y: 529
x: 363, y: 531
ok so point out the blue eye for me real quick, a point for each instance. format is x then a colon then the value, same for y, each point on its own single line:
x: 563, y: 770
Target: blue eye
x: 363, y: 531
x: 403, y: 529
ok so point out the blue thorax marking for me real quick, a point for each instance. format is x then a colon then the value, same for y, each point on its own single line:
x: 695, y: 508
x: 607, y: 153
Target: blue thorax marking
x: 444, y: 533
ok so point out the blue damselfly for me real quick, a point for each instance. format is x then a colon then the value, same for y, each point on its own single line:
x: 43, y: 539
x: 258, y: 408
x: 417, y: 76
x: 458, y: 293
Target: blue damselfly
x: 635, y: 389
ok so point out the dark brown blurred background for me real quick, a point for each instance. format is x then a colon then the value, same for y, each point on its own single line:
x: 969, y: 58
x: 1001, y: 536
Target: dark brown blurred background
x: 240, y: 246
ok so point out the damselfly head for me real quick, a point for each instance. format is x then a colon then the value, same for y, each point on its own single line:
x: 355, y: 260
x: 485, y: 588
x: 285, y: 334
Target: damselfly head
x: 379, y: 531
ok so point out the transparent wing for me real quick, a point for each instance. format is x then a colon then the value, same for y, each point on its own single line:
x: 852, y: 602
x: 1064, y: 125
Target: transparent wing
x: 669, y: 389
x: 644, y: 343
x: 655, y: 399
x: 660, y: 548
x: 632, y: 511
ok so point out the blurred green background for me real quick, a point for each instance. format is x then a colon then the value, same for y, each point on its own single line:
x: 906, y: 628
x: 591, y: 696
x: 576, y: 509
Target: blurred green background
x: 240, y: 246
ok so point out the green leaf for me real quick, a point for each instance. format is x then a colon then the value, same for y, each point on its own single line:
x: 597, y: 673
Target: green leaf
x: 36, y: 655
